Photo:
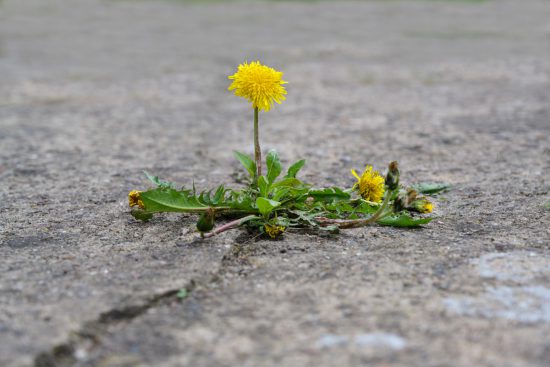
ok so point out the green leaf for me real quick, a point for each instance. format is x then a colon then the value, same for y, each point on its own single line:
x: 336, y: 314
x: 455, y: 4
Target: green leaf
x: 273, y: 166
x: 157, y: 181
x: 287, y: 182
x: 170, y: 200
x: 295, y: 168
x: 366, y: 207
x: 141, y: 215
x: 279, y: 192
x: 289, y: 194
x: 546, y: 205
x: 247, y: 163
x: 329, y: 194
x: 186, y: 201
x: 403, y: 220
x: 431, y: 188
x: 241, y: 200
x: 219, y: 195
x: 204, y: 198
x: 282, y: 221
x: 263, y: 186
x: 305, y: 218
x: 266, y: 206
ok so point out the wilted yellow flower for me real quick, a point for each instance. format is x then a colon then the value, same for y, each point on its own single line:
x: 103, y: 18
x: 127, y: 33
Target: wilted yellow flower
x: 370, y: 185
x: 422, y: 205
x: 134, y: 198
x: 273, y: 230
x: 258, y: 83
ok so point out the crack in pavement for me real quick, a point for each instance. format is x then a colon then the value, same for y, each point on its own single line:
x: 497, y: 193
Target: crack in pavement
x: 65, y: 354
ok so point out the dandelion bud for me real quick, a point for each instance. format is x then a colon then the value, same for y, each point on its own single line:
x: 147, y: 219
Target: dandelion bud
x: 422, y: 205
x: 392, y: 178
x: 206, y: 221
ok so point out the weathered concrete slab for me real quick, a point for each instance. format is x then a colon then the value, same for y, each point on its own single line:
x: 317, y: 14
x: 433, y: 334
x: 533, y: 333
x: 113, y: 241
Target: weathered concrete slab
x: 94, y: 92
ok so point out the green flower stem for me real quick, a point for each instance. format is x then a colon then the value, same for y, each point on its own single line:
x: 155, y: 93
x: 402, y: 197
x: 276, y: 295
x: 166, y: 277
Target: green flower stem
x: 228, y: 226
x: 356, y: 223
x: 257, y: 150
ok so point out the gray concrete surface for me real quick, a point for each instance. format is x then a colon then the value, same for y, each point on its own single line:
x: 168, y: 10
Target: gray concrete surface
x: 93, y: 92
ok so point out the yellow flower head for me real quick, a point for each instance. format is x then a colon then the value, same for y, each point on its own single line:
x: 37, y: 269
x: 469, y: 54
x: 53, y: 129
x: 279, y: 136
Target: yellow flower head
x: 428, y: 207
x: 370, y: 185
x: 134, y: 198
x: 258, y: 83
x: 422, y: 205
x: 273, y: 230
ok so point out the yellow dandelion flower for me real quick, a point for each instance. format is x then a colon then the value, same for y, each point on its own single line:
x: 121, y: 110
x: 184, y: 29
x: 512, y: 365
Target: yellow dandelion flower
x: 134, y: 198
x: 428, y: 207
x: 370, y: 185
x: 258, y: 83
x: 273, y: 230
x: 422, y: 205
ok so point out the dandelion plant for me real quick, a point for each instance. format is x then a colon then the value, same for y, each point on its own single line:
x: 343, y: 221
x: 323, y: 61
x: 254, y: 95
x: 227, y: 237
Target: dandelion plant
x: 278, y: 200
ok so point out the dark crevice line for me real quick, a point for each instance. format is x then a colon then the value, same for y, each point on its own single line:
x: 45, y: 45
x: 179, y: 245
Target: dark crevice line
x: 64, y: 354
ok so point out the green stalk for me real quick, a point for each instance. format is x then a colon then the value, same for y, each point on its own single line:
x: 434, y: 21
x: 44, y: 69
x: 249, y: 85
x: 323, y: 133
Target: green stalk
x: 257, y: 150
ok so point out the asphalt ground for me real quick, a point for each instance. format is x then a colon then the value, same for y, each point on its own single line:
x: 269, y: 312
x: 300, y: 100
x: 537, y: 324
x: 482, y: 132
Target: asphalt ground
x: 94, y: 92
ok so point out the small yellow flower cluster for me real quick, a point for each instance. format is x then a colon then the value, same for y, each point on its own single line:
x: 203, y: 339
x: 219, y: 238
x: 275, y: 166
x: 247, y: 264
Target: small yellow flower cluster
x: 422, y: 205
x: 370, y: 185
x: 134, y: 198
x: 273, y: 230
x: 258, y: 83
